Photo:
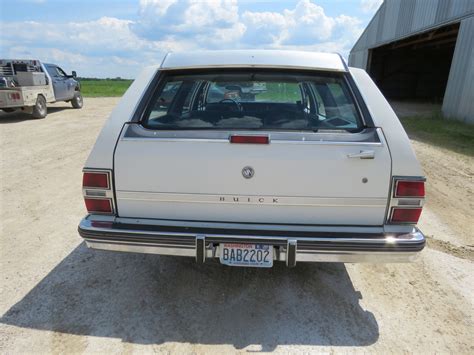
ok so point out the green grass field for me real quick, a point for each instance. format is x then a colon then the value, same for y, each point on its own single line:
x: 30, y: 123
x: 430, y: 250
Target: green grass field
x: 442, y: 132
x: 104, y: 87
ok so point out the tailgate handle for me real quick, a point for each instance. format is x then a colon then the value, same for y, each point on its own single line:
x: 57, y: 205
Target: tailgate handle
x: 364, y: 154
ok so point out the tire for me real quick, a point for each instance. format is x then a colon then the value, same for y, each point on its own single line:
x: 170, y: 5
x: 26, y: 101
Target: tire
x: 77, y: 101
x: 8, y: 110
x: 40, y: 110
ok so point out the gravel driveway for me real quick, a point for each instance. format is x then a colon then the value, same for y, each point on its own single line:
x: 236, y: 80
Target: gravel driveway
x: 58, y: 296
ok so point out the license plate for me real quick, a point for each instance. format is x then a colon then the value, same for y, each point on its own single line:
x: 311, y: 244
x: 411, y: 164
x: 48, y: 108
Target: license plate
x: 253, y: 255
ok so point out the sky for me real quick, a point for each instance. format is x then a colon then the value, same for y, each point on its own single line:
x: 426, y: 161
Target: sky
x: 117, y: 38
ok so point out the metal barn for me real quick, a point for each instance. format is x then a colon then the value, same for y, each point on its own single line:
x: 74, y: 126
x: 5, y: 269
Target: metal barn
x: 422, y: 50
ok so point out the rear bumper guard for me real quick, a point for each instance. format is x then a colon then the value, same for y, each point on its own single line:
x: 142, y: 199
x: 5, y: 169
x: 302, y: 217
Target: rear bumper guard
x: 290, y: 247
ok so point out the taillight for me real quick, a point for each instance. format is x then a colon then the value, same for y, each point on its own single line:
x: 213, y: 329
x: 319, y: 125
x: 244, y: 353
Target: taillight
x: 95, y: 180
x: 243, y: 139
x: 407, y: 200
x: 97, y: 191
x: 409, y: 188
x: 98, y: 205
x: 405, y: 215
x: 14, y: 96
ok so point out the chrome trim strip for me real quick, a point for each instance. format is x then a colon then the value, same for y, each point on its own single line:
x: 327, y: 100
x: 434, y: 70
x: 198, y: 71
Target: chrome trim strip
x: 372, y: 144
x: 252, y: 226
x: 95, y: 193
x: 145, y: 249
x: 410, y: 202
x: 367, y: 137
x: 251, y: 199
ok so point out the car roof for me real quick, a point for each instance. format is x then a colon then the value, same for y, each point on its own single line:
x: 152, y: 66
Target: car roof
x: 254, y: 58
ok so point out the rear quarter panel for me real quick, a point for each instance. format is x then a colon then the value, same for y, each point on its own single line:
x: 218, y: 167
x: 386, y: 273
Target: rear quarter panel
x: 404, y: 161
x: 102, y: 153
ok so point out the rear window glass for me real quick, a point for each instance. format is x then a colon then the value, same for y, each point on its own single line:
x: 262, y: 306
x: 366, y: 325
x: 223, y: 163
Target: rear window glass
x: 256, y: 101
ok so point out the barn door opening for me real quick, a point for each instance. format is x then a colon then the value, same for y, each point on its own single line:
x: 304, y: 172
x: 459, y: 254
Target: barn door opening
x: 415, y: 68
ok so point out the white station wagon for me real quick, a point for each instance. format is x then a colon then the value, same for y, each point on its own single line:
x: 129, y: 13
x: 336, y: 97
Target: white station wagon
x: 254, y: 157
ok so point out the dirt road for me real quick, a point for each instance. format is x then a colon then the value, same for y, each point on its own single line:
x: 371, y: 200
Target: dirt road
x: 58, y: 296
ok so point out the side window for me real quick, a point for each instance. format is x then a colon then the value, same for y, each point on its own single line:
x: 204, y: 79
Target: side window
x: 345, y: 108
x: 166, y: 98
x: 51, y: 70
x: 189, y: 95
x: 337, y: 94
x: 326, y: 105
x: 60, y: 72
x: 55, y: 71
x: 320, y: 103
x: 281, y: 92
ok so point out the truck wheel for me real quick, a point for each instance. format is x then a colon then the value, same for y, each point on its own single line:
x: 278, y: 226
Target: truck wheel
x: 8, y: 110
x: 40, y: 110
x: 77, y: 101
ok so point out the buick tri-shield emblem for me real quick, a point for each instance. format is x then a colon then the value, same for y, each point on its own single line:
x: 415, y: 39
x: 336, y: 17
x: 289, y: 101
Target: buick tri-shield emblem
x: 248, y: 172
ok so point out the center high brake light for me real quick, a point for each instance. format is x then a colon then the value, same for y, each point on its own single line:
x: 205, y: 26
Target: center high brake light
x: 243, y: 139
x: 97, y: 191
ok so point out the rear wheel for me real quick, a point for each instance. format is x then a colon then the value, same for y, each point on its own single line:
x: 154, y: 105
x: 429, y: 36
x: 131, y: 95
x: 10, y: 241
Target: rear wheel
x: 40, y: 110
x: 8, y: 110
x: 77, y: 101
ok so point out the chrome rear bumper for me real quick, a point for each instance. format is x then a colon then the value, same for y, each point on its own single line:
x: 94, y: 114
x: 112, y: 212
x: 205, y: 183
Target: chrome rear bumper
x: 290, y: 246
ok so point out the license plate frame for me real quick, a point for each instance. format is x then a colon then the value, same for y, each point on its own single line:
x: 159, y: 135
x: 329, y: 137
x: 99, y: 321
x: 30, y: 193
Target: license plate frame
x: 246, y: 254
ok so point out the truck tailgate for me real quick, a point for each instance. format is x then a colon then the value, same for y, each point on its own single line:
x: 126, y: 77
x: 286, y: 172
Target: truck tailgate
x: 11, y: 98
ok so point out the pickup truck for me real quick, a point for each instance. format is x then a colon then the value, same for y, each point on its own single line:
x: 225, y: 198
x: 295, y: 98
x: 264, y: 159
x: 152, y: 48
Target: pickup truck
x: 29, y: 85
x: 314, y: 167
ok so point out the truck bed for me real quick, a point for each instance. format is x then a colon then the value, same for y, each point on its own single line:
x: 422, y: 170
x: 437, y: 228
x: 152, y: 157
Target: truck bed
x: 22, y: 96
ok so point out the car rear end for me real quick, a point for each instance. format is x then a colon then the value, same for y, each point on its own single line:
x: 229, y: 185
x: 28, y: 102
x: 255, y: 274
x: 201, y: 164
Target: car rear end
x: 297, y: 171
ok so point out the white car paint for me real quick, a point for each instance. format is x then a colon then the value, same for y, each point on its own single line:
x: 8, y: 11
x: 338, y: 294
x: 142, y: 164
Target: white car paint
x: 404, y: 162
x: 310, y: 180
x: 102, y: 153
x: 253, y: 58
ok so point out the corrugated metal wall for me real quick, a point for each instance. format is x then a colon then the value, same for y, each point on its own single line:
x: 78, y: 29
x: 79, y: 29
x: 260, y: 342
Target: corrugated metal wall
x: 397, y: 19
x: 425, y: 12
x: 459, y: 96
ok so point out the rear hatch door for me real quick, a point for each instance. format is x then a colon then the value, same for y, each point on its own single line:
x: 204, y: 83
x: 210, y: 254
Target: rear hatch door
x: 320, y: 165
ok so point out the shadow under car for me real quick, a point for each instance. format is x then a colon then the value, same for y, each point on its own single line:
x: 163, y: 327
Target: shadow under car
x: 149, y: 299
